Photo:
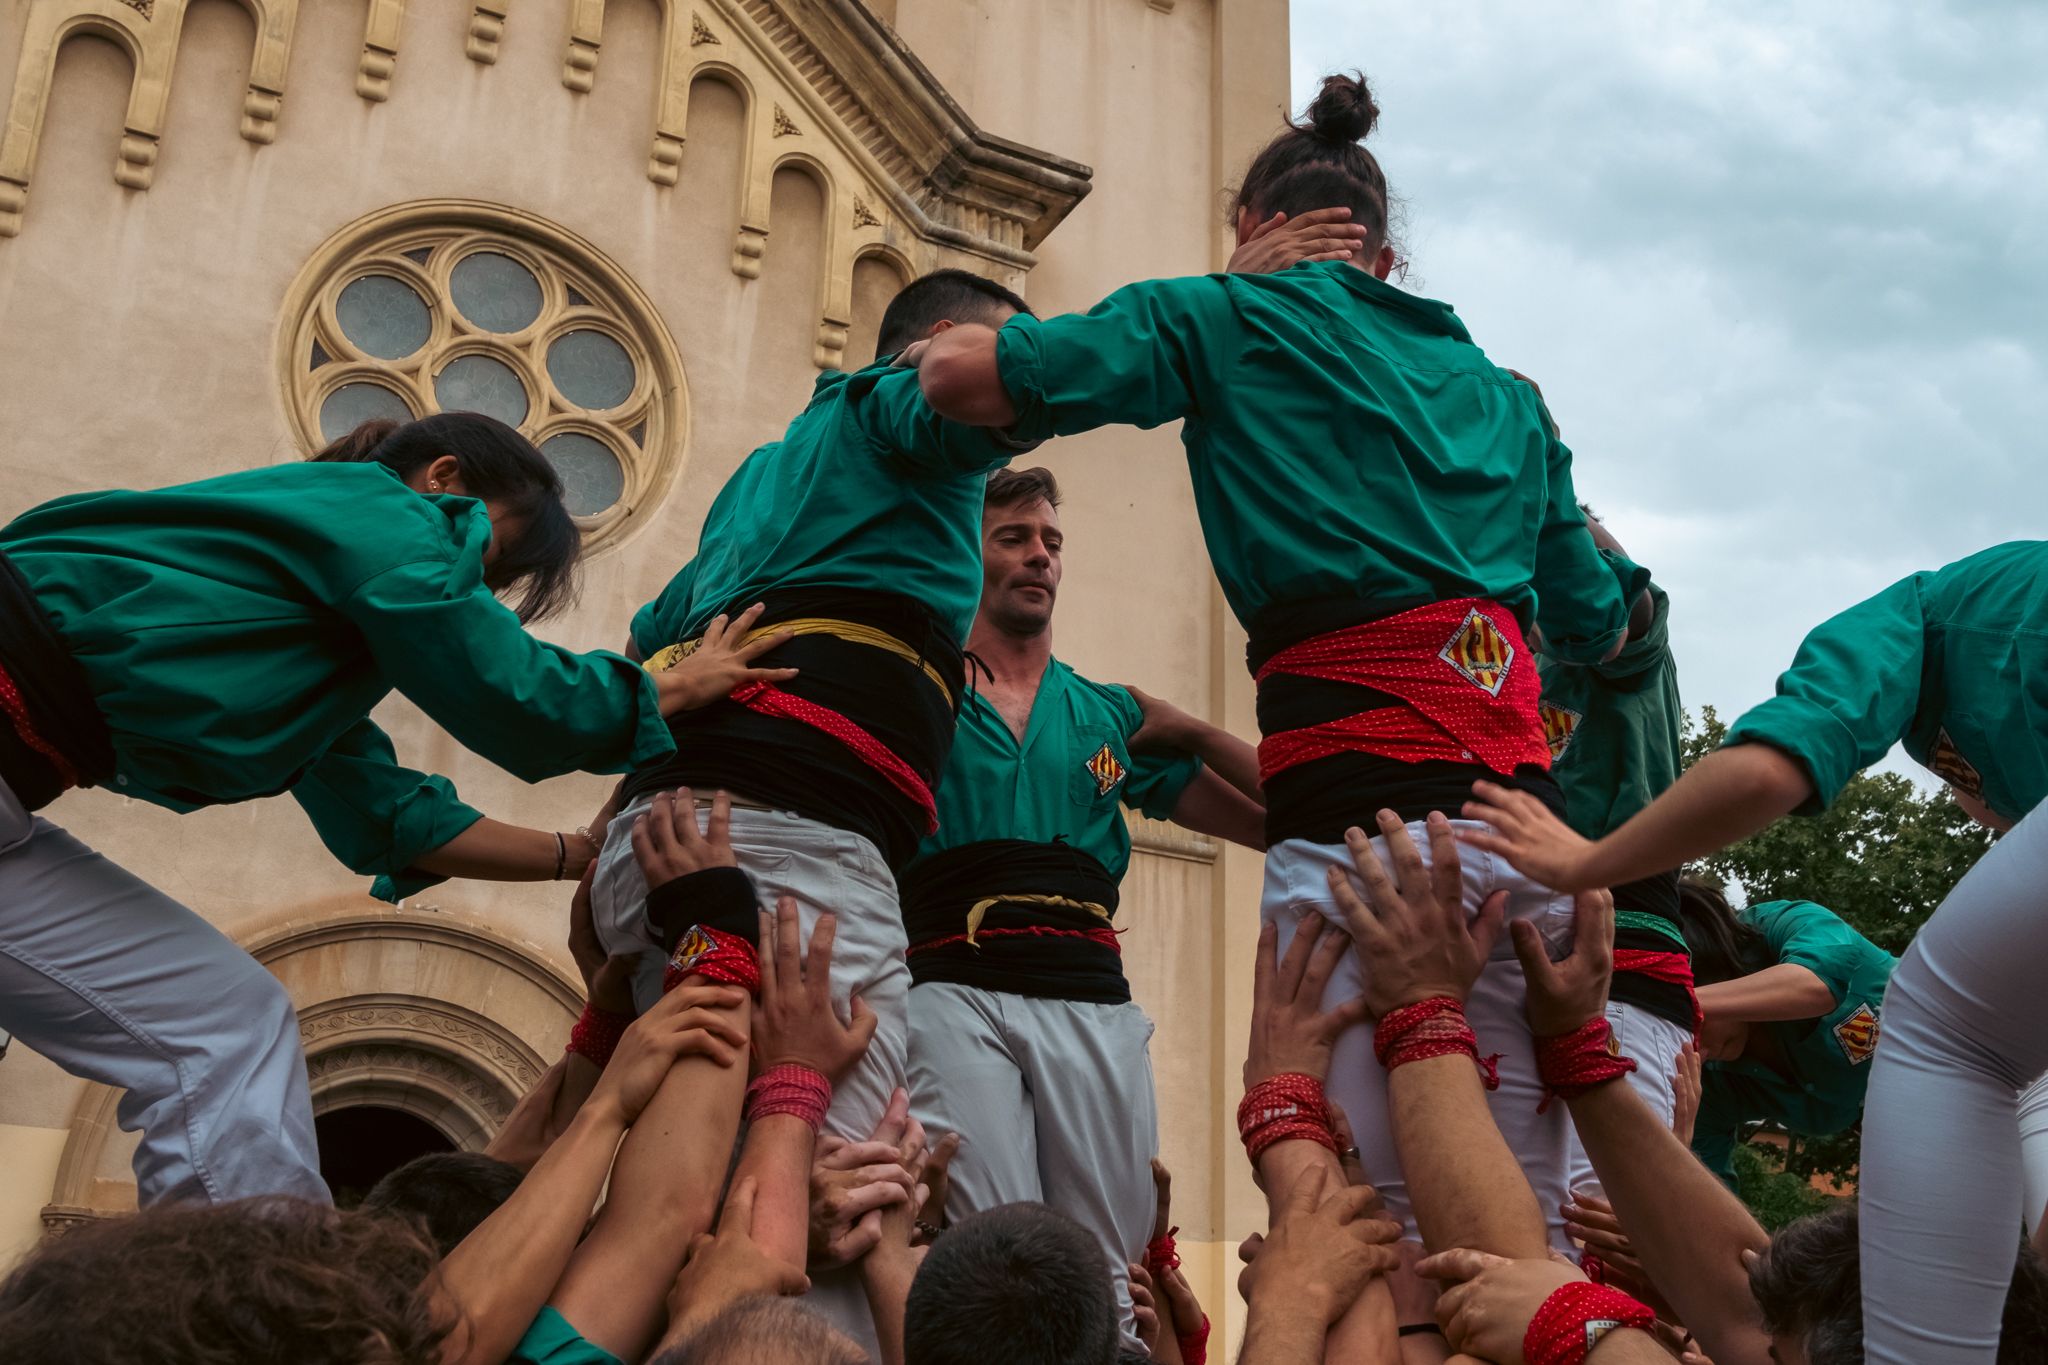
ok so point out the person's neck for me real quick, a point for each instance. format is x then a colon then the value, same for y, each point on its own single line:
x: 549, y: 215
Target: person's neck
x: 1011, y: 659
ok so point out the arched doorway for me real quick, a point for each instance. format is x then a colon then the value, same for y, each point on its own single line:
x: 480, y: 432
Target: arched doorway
x: 425, y: 1026
x: 363, y: 1143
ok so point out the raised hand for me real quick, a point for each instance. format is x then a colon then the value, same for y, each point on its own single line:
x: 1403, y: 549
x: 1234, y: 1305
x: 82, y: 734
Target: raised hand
x: 1323, y: 1248
x: 795, y: 1023
x: 668, y: 845
x: 723, y: 660
x: 1564, y: 995
x: 705, y: 1020
x: 1280, y: 241
x: 1411, y: 929
x: 1486, y: 1310
x: 1686, y: 1088
x: 1291, y: 1032
x: 1522, y: 830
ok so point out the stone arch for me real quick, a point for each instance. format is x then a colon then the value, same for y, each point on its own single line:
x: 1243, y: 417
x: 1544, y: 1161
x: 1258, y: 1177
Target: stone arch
x: 436, y: 1015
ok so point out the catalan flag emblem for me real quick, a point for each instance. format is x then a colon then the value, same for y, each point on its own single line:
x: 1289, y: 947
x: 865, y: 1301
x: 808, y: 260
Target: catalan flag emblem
x: 694, y: 948
x: 1948, y: 764
x: 1858, y: 1034
x: 1480, y: 652
x: 1560, y: 723
x: 1107, y: 770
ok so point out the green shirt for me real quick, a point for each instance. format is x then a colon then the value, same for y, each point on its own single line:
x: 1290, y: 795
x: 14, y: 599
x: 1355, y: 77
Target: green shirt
x: 237, y: 631
x: 1614, y: 727
x: 1952, y: 662
x: 1064, y: 781
x: 1346, y: 439
x: 1828, y: 1059
x: 552, y: 1341
x: 868, y: 488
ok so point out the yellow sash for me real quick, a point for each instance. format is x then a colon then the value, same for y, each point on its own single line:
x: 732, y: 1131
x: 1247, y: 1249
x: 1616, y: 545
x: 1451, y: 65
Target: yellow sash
x: 982, y: 907
x: 853, y: 631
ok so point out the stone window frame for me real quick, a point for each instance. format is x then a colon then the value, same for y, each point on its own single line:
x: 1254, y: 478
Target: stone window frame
x: 581, y: 289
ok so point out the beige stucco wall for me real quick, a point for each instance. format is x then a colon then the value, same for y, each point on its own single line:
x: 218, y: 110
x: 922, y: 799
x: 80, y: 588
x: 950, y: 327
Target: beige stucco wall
x: 138, y: 331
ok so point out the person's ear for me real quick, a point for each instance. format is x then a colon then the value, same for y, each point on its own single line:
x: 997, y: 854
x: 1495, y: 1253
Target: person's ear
x: 1245, y: 223
x: 942, y: 325
x: 444, y: 475
x: 1383, y: 264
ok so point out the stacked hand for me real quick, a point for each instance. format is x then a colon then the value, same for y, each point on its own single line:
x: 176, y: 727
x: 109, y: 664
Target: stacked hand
x: 726, y: 1268
x: 704, y: 1020
x: 852, y: 1183
x: 1291, y: 1031
x: 1412, y: 931
x: 723, y: 660
x: 1323, y: 1248
x: 1487, y: 1308
x: 1565, y: 995
x: 1280, y: 241
x: 795, y: 1023
x: 667, y: 843
x: 1523, y: 830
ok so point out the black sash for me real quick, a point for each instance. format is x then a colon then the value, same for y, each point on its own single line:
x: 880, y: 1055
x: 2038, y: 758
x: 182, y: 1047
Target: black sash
x: 1054, y: 963
x: 58, y: 698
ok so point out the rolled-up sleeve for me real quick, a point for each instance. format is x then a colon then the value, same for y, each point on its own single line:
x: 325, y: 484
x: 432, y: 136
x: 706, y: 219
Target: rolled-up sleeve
x: 1850, y: 694
x: 535, y: 709
x: 377, y: 817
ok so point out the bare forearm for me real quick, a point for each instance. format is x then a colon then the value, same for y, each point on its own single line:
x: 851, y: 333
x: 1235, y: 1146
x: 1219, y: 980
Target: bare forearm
x: 1279, y: 1335
x: 1628, y: 1347
x: 1465, y: 1185
x: 493, y: 851
x: 1687, y: 1229
x: 1229, y: 757
x: 501, y: 1274
x: 961, y: 381
x: 1368, y: 1333
x: 1786, y: 991
x: 886, y: 1274
x: 778, y: 1155
x: 1723, y: 799
x: 579, y: 1078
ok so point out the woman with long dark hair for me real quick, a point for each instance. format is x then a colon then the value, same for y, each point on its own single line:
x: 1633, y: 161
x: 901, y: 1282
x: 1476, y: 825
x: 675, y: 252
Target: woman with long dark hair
x: 224, y: 640
x: 1389, y: 514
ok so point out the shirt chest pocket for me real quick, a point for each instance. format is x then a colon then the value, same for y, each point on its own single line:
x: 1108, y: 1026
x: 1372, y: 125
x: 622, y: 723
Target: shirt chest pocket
x: 1101, y: 765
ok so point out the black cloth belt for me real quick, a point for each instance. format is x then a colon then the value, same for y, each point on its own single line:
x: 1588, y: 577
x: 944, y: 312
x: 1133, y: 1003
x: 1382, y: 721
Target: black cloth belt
x: 56, y: 694
x: 1029, y: 903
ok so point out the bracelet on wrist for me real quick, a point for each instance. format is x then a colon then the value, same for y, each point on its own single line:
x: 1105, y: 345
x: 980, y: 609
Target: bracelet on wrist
x: 561, y: 855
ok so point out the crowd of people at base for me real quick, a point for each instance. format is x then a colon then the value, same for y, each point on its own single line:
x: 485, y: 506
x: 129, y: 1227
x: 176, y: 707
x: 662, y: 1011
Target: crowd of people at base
x: 860, y: 1075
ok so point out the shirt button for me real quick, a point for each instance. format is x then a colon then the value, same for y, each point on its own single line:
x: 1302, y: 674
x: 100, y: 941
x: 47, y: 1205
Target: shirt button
x: 121, y: 779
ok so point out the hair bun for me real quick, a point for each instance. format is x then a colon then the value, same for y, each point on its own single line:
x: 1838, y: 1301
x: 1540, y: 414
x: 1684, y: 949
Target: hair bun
x: 1343, y: 110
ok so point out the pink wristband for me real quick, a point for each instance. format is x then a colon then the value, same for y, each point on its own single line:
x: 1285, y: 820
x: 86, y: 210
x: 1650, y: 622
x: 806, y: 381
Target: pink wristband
x: 790, y: 1089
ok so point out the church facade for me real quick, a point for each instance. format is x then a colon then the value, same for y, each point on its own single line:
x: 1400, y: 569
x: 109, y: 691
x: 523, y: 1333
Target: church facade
x: 636, y: 229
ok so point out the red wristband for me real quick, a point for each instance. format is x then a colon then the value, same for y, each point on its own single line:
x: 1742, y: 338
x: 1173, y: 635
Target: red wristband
x: 1290, y: 1105
x: 1161, y: 1252
x: 1573, y: 1063
x: 790, y: 1089
x: 1574, y: 1318
x: 596, y: 1035
x: 1194, y: 1346
x: 717, y: 956
x: 1434, y: 1027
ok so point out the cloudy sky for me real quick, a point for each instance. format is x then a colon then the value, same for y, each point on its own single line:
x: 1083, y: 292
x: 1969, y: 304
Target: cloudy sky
x: 1781, y: 270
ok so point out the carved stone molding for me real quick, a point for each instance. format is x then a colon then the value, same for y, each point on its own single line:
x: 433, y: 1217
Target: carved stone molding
x: 1169, y: 840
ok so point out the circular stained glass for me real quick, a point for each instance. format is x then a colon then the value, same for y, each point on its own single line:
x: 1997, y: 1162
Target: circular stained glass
x: 351, y: 405
x: 591, y: 370
x: 495, y: 292
x: 383, y: 316
x: 477, y: 383
x: 592, y: 477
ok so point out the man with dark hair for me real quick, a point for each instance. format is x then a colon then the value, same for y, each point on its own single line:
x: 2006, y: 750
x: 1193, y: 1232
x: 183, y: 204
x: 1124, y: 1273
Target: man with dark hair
x: 858, y: 537
x: 1023, y: 1034
x: 1019, y: 1284
x: 446, y: 1193
x: 931, y: 303
x: 1809, y: 1288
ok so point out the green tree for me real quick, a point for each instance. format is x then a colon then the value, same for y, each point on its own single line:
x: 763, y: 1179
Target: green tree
x: 1882, y: 856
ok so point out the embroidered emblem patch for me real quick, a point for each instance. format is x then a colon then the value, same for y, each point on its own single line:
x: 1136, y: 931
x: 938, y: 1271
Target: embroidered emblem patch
x: 1560, y: 723
x: 1480, y: 653
x: 1106, y: 769
x: 1948, y: 764
x: 694, y: 948
x: 1598, y: 1328
x: 1858, y: 1034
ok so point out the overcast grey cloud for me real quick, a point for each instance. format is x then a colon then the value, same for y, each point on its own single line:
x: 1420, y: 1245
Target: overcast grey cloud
x: 1782, y: 271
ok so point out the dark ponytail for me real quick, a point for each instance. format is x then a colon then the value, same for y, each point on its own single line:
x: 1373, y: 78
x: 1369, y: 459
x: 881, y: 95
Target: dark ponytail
x: 1722, y: 946
x: 1319, y: 164
x: 497, y: 465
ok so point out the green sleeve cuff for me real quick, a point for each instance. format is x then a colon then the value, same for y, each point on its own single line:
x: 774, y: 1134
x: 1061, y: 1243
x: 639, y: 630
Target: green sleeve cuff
x: 1808, y: 733
x: 1631, y: 577
x: 422, y: 822
x: 1164, y: 792
x: 1020, y: 363
x: 643, y: 632
x: 652, y: 741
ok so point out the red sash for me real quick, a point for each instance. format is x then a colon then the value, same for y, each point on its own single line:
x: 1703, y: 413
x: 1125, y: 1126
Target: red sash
x: 1464, y: 675
x: 770, y: 700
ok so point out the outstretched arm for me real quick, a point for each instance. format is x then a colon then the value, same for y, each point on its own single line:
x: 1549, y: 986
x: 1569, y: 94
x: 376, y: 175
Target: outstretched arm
x: 1724, y: 798
x: 957, y: 370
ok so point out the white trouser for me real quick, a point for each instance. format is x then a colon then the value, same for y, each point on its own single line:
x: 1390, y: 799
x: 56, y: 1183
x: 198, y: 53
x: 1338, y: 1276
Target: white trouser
x: 823, y: 868
x: 2034, y: 1151
x: 1054, y: 1102
x: 1940, y: 1182
x: 1297, y: 884
x: 1654, y: 1043
x: 116, y: 982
